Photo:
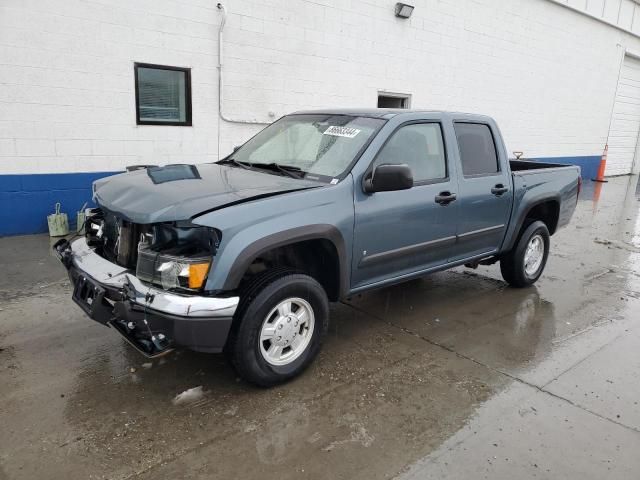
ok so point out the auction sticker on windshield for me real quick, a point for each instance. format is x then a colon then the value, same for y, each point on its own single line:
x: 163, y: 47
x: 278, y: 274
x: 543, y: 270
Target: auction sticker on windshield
x: 342, y: 131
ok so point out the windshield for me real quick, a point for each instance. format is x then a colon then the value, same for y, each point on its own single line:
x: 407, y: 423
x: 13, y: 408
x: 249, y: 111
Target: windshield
x: 322, y: 147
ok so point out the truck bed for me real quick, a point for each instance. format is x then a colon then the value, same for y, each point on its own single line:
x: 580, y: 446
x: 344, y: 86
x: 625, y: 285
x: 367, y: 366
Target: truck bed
x: 538, y: 182
x: 521, y: 165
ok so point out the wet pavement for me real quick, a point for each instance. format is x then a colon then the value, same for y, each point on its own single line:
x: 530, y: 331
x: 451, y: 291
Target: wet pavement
x: 452, y: 376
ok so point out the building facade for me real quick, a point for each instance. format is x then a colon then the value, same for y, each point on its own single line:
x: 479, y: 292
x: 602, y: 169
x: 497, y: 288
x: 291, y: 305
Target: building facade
x: 88, y: 87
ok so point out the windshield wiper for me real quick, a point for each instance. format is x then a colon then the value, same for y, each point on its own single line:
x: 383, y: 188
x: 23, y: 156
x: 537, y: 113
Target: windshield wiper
x: 233, y: 161
x: 289, y: 170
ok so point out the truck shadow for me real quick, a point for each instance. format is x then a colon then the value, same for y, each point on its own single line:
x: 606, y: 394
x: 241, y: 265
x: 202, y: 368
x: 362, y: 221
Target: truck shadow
x: 398, y: 334
x: 470, y: 314
x: 473, y: 315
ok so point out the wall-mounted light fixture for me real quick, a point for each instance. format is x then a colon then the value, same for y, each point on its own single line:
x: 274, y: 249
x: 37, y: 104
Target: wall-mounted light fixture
x: 403, y: 10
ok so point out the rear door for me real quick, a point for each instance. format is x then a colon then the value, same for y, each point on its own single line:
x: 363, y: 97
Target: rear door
x: 485, y: 195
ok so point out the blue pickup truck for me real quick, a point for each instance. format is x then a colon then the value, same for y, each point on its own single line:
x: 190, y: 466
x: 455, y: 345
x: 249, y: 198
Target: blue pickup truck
x: 243, y: 255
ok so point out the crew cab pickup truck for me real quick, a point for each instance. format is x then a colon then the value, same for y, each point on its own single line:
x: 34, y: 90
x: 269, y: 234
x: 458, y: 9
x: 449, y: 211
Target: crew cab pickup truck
x: 243, y: 255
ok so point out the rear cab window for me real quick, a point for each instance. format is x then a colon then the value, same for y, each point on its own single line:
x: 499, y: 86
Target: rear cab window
x: 477, y: 148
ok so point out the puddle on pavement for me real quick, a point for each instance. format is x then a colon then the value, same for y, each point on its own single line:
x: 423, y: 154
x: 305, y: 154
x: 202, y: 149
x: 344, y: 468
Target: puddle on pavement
x: 403, y: 368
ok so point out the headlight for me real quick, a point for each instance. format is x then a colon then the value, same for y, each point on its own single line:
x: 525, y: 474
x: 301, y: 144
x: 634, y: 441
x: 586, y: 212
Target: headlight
x: 176, y: 258
x: 172, y: 272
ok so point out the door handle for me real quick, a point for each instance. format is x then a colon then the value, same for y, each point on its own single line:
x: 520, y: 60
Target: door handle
x: 499, y: 189
x: 445, y: 198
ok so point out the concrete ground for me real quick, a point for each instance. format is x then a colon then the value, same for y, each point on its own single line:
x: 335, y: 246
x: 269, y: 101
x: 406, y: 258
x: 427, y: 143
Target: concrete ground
x: 452, y: 376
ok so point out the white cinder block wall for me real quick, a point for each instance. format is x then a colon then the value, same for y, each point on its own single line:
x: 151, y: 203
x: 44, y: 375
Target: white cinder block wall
x: 67, y: 85
x: 547, y: 73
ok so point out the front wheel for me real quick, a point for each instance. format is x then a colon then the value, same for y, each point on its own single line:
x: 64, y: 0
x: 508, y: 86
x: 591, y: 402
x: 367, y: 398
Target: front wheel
x: 279, y: 327
x: 523, y: 265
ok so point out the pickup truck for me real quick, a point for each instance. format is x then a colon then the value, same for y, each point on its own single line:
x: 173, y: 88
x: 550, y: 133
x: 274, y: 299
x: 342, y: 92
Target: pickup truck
x: 243, y: 255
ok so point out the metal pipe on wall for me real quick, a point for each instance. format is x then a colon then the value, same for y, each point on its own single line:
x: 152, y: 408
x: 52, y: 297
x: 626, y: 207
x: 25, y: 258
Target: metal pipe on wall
x: 220, y: 75
x: 221, y: 113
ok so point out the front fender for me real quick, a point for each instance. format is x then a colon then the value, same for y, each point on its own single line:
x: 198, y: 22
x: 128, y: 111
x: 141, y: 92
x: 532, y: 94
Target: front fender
x: 288, y: 237
x: 250, y: 228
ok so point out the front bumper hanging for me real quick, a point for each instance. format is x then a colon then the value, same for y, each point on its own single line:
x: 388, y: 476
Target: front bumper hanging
x: 152, y: 320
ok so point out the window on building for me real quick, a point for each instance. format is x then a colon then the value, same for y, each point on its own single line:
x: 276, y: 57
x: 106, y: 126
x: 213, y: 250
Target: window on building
x: 477, y: 149
x: 393, y: 100
x: 163, y: 95
x: 420, y: 146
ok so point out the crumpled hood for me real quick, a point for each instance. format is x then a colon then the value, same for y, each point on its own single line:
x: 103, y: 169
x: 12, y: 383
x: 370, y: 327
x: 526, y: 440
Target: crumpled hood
x: 180, y: 192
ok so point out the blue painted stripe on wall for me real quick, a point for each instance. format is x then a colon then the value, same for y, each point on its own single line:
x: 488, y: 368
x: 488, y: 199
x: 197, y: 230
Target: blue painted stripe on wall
x: 588, y: 164
x: 26, y: 200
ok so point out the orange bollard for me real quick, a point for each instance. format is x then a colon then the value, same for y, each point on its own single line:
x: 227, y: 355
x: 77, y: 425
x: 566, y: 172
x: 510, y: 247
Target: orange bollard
x: 597, y: 189
x: 603, y: 164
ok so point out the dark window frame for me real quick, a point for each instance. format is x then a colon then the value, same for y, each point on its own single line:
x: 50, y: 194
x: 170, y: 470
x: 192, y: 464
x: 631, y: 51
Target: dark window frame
x: 445, y: 152
x: 497, y: 173
x: 187, y: 94
x: 405, y: 98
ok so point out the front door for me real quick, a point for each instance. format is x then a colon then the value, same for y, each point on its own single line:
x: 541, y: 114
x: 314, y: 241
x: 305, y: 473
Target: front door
x: 485, y: 197
x: 403, y: 232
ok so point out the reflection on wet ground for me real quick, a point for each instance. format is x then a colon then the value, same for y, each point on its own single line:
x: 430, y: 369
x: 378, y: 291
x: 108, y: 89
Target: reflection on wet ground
x: 452, y: 375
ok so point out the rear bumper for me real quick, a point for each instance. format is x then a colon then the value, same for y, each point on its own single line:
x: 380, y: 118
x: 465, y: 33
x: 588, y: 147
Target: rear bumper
x: 151, y: 319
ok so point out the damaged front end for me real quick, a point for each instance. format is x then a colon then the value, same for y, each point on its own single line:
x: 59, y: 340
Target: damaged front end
x: 174, y: 255
x: 148, y: 282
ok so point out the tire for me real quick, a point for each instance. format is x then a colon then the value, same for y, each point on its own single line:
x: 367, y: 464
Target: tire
x: 263, y: 300
x: 512, y: 266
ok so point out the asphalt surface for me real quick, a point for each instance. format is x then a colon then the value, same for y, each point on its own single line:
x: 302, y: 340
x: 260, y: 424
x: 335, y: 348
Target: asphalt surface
x: 452, y: 376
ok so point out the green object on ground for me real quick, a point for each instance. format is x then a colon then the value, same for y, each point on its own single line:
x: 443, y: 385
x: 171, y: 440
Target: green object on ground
x: 80, y: 218
x: 80, y: 221
x: 58, y: 223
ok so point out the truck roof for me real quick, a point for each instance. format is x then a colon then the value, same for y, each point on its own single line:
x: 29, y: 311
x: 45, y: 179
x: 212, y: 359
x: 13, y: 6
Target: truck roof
x: 385, y: 113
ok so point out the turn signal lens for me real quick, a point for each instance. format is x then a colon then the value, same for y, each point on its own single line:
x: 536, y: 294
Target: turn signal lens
x: 197, y: 274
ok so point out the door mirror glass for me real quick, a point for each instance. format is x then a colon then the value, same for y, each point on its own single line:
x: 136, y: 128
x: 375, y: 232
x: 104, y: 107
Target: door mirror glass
x: 389, y: 178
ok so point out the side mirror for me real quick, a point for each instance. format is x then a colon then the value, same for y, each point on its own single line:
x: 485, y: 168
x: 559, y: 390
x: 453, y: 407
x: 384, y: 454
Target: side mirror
x: 388, y: 178
x: 236, y: 148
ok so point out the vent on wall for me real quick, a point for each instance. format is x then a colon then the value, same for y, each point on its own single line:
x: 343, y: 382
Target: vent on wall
x: 393, y: 100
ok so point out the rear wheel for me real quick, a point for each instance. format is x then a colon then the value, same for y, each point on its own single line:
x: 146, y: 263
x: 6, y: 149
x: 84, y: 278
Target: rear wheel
x: 278, y: 328
x: 523, y: 265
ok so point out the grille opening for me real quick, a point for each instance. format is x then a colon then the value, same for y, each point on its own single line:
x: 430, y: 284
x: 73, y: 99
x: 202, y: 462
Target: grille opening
x: 121, y: 241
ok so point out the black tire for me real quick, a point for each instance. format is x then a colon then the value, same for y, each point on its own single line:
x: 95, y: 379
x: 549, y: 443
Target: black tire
x: 259, y: 297
x: 512, y: 264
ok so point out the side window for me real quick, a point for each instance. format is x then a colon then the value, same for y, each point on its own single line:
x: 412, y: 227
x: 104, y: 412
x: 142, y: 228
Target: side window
x: 477, y: 149
x: 420, y: 146
x: 163, y: 95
